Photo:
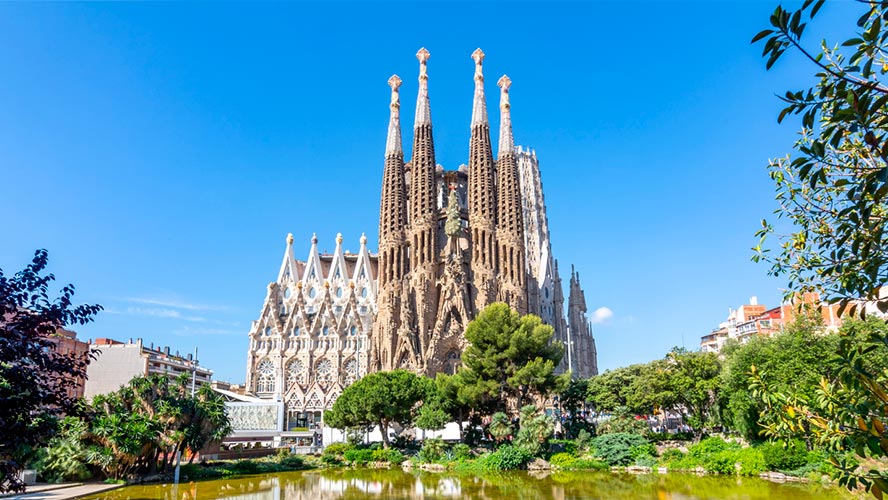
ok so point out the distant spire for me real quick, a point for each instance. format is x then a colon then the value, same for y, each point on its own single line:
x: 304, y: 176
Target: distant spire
x: 479, y: 108
x: 423, y: 109
x: 506, y: 142
x: 393, y: 141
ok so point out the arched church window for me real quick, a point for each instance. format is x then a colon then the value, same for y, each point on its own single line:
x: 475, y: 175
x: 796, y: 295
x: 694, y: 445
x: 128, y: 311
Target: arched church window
x: 325, y: 331
x: 339, y: 291
x: 351, y: 371
x: 324, y: 371
x: 295, y: 331
x: 312, y: 292
x: 287, y: 292
x: 267, y: 330
x: 453, y: 362
x: 295, y: 372
x: 265, y: 380
x: 353, y: 331
x: 364, y: 292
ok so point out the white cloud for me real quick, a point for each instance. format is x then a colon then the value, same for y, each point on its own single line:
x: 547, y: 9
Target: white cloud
x: 175, y: 304
x: 162, y: 313
x: 601, y: 315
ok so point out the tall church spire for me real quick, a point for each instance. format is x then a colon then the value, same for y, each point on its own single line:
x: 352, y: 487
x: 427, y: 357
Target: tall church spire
x: 393, y: 140
x: 479, y: 107
x: 482, y: 196
x: 393, y: 252
x: 417, y: 307
x: 423, y: 208
x: 506, y: 142
x: 510, y: 217
x: 423, y: 108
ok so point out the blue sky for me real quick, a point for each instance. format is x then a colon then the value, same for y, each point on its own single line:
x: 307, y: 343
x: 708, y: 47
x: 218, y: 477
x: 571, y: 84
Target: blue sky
x: 161, y: 152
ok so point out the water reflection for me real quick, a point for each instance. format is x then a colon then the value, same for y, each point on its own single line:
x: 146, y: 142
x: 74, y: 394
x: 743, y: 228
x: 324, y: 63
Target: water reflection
x: 386, y: 484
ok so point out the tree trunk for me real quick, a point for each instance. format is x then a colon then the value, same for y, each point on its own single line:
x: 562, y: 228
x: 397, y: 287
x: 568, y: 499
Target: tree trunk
x: 383, y: 428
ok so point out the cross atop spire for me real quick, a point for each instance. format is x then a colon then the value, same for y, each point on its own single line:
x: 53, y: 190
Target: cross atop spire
x: 423, y: 110
x: 393, y: 141
x: 479, y: 107
x: 506, y: 141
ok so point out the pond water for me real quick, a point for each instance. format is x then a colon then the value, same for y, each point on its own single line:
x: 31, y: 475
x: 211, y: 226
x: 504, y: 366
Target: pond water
x: 384, y: 484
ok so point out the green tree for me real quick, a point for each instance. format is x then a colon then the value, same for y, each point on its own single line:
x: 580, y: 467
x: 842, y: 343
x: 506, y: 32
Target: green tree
x: 610, y: 390
x: 510, y: 357
x: 143, y: 425
x: 847, y: 412
x: 500, y: 426
x: 34, y: 377
x: 834, y: 191
x: 794, y: 360
x: 535, y: 429
x: 693, y: 379
x: 381, y: 398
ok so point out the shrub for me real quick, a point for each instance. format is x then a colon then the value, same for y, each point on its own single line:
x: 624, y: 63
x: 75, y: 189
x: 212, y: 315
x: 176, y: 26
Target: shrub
x: 567, y: 445
x: 562, y: 460
x: 710, y: 446
x: 643, y: 450
x: 752, y: 462
x: 781, y: 456
x: 721, y: 462
x: 616, y: 449
x: 338, y: 449
x: 589, y: 464
x: 359, y: 456
x: 671, y: 455
x: 242, y: 467
x: 432, y: 450
x: 291, y: 461
x: 391, y: 456
x: 462, y: 451
x: 658, y: 437
x: 583, y: 440
x: 331, y: 459
x: 507, y: 457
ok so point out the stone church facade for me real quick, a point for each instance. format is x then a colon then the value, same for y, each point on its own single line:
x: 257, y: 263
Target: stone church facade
x: 450, y: 243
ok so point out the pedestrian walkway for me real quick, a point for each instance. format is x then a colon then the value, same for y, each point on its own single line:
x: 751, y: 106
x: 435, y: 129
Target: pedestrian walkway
x: 65, y: 491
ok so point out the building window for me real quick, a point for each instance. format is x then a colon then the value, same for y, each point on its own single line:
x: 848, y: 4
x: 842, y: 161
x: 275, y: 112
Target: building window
x: 324, y: 371
x: 295, y: 372
x: 265, y: 381
x: 351, y: 371
x: 267, y: 330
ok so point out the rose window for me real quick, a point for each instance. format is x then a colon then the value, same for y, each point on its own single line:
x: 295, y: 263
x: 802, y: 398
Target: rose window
x: 324, y: 371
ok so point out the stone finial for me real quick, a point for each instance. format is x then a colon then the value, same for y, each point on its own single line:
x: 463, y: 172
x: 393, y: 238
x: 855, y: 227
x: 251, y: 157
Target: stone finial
x: 290, y: 238
x: 338, y: 239
x: 314, y: 238
x: 506, y: 140
x: 422, y: 55
x: 478, y: 57
x: 363, y: 240
x: 423, y: 109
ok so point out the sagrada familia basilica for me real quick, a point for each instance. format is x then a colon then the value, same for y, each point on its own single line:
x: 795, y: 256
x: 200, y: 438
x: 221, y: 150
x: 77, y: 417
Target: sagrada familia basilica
x: 450, y: 243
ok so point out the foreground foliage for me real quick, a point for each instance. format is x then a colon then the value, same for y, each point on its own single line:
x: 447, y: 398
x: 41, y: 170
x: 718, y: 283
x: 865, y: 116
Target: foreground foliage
x: 834, y: 191
x: 34, y: 378
x: 137, y: 429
